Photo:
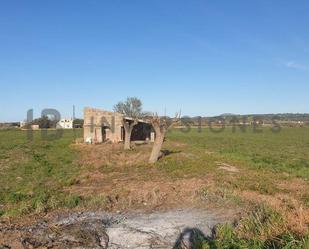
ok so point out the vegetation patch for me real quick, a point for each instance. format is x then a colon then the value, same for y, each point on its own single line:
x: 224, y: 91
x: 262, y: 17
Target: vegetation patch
x: 262, y: 228
x: 34, y: 173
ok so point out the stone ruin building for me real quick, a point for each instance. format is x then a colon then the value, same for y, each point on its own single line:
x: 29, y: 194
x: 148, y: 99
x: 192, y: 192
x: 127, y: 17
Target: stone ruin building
x: 103, y: 126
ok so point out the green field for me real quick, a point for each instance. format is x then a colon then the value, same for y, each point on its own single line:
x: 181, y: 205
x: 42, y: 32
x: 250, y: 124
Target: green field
x: 286, y: 151
x: 248, y: 168
x: 34, y: 173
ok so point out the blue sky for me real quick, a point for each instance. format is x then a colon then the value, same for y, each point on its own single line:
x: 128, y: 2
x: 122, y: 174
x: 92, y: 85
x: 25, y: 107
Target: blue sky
x: 203, y: 57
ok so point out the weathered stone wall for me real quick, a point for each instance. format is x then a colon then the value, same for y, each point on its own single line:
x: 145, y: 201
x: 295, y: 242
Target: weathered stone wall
x: 95, y: 120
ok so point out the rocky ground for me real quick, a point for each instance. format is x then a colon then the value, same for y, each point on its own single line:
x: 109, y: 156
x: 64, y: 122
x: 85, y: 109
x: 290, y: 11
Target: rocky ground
x: 161, y: 229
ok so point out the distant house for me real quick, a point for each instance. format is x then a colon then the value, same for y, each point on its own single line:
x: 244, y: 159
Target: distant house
x: 102, y: 126
x: 65, y: 123
x: 22, y: 124
x: 35, y: 127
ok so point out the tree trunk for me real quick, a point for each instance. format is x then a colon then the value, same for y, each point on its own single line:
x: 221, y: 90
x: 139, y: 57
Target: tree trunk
x: 128, y: 131
x: 156, y: 149
x: 160, y: 127
x: 160, y: 130
x: 127, y: 139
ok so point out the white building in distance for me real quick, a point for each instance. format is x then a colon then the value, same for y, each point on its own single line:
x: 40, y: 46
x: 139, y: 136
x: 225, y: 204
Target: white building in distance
x: 22, y: 124
x: 65, y: 123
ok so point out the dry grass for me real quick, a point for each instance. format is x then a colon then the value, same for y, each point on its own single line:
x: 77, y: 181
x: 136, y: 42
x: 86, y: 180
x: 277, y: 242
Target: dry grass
x: 125, y: 178
x: 285, y: 195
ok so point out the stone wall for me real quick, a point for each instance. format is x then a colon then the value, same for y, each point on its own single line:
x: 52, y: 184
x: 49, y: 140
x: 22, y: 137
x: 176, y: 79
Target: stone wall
x: 99, y: 122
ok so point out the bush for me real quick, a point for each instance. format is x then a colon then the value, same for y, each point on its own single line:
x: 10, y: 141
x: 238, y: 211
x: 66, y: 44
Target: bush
x: 261, y: 229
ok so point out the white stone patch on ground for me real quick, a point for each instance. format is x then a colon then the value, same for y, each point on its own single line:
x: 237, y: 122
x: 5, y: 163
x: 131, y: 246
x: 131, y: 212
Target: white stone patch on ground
x: 104, y: 230
x: 159, y: 229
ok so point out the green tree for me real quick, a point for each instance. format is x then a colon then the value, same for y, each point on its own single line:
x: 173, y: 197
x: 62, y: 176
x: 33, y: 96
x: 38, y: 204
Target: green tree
x: 130, y: 108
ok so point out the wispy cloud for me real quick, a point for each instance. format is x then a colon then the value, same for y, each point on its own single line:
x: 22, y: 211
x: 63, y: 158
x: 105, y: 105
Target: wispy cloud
x: 295, y: 65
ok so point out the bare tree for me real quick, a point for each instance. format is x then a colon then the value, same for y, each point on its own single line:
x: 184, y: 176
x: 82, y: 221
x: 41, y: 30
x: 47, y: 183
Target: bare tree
x: 132, y: 108
x: 160, y: 126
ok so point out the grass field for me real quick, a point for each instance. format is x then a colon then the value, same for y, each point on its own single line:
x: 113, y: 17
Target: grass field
x: 263, y: 174
x: 287, y: 151
x: 34, y: 173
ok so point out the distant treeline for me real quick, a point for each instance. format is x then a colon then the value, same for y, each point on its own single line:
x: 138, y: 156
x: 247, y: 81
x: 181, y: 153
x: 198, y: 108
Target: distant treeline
x: 9, y: 125
x: 280, y: 117
x: 283, y: 118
